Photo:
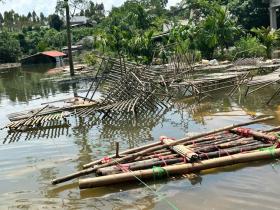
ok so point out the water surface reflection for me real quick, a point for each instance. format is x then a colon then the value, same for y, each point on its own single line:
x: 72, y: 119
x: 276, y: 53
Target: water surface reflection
x: 30, y: 160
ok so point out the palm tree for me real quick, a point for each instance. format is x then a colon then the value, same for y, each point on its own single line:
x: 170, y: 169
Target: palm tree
x: 269, y: 38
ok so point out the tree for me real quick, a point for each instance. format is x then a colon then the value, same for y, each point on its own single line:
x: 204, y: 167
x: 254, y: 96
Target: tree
x: 9, y: 19
x: 29, y: 16
x: 34, y: 16
x: 95, y: 11
x: 42, y: 18
x: 268, y: 38
x: 55, y: 22
x: 141, y: 47
x: 9, y: 48
x: 74, y: 5
x: 248, y: 47
x: 250, y: 13
x: 218, y: 29
x: 1, y: 21
x: 227, y: 27
x: 155, y: 7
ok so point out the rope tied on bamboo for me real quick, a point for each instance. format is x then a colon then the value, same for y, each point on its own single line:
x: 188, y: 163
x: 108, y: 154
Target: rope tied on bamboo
x: 161, y: 158
x: 159, y: 172
x: 162, y: 138
x: 245, y: 132
x: 277, y: 135
x: 123, y: 167
x: 106, y: 160
x: 272, y: 150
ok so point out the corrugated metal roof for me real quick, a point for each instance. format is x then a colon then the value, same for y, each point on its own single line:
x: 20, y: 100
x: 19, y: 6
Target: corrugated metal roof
x: 53, y: 53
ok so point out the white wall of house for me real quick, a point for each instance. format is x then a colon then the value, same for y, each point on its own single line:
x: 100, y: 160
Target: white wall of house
x: 274, y: 6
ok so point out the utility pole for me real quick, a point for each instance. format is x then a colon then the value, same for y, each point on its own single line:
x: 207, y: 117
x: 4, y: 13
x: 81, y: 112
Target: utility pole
x: 72, y: 73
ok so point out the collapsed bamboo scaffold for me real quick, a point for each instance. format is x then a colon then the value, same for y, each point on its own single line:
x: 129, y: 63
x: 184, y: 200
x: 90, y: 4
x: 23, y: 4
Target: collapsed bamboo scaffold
x: 262, y: 81
x: 207, y: 84
x: 128, y: 88
x: 221, y: 147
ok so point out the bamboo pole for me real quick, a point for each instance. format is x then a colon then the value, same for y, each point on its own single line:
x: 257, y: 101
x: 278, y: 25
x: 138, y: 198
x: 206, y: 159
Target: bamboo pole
x: 91, y: 164
x: 31, y: 117
x: 135, y: 165
x: 178, y: 169
x: 69, y: 44
x: 232, y: 151
x: 258, y: 135
x: 154, y: 148
x: 242, y: 145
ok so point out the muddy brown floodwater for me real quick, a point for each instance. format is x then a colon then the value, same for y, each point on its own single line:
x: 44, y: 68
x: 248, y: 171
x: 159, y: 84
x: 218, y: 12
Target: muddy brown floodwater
x: 28, y: 163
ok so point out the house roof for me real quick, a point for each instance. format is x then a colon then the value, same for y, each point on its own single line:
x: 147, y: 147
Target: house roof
x: 53, y: 53
x: 79, y: 19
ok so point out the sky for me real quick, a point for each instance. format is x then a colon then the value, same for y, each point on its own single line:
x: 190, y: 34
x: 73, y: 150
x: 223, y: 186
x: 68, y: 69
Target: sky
x: 48, y: 6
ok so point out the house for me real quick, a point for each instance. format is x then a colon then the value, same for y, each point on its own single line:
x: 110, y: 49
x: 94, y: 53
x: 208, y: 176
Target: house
x: 77, y: 21
x: 274, y: 7
x: 75, y: 49
x: 167, y: 27
x: 46, y: 57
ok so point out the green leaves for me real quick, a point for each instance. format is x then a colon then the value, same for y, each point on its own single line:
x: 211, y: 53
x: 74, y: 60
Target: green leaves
x: 9, y: 48
x: 268, y: 38
x: 249, y: 47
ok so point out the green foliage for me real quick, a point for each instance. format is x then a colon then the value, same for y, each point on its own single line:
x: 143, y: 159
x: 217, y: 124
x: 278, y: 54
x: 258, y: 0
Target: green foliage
x: 141, y: 47
x: 1, y: 21
x: 53, y: 40
x: 9, y: 48
x: 79, y: 33
x: 95, y: 11
x: 218, y: 29
x: 155, y: 7
x: 55, y: 22
x: 248, y: 47
x: 90, y: 59
x: 250, y: 13
x: 127, y: 31
x: 268, y: 38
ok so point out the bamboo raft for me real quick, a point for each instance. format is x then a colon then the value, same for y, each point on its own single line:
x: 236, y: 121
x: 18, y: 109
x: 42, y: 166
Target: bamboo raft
x: 217, y: 148
x: 47, y: 115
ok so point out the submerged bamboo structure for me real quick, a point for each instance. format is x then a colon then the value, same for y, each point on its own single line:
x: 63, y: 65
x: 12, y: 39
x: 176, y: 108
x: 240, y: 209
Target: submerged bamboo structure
x: 207, y: 84
x: 262, y: 81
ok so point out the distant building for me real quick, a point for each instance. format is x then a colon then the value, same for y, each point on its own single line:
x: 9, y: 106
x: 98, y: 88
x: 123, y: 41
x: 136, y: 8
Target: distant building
x: 75, y: 49
x: 77, y: 21
x: 274, y: 7
x: 46, y: 57
x: 167, y: 27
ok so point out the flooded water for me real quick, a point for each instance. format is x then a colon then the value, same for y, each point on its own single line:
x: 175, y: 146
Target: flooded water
x: 28, y: 163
